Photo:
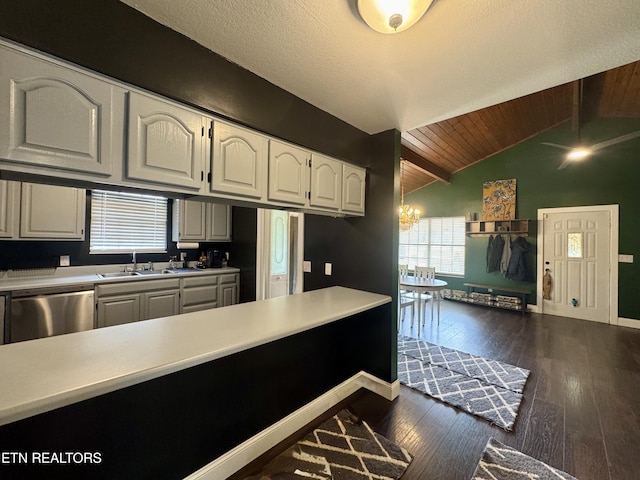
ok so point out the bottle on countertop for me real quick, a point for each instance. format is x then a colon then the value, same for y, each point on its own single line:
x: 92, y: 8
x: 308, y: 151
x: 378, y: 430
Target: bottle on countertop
x: 202, y: 261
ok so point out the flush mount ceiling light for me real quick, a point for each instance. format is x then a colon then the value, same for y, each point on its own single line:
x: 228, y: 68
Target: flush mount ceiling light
x: 392, y: 16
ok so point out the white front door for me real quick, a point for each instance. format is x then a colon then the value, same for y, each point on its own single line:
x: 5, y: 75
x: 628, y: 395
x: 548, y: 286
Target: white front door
x: 279, y: 255
x: 577, y: 255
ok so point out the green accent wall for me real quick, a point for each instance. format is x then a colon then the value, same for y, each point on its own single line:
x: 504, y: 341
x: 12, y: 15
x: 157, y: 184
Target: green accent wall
x: 610, y: 176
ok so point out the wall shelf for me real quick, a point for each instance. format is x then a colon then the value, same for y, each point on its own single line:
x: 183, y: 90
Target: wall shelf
x: 492, y: 227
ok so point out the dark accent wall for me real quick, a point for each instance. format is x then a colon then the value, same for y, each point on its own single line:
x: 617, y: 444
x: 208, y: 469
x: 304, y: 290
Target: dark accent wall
x: 169, y: 427
x: 609, y: 177
x: 243, y: 250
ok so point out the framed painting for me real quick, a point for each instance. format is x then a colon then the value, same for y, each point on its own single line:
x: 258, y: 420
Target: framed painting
x: 499, y: 200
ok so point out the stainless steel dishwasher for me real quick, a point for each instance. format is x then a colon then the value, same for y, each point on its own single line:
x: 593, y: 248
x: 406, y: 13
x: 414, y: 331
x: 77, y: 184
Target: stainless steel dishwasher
x: 45, y: 312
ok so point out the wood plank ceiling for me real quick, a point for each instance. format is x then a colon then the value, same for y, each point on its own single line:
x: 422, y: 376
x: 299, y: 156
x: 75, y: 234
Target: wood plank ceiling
x: 435, y: 152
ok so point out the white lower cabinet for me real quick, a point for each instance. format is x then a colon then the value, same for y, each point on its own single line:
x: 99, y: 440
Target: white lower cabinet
x: 33, y: 211
x: 228, y: 289
x: 127, y: 302
x: 199, y: 293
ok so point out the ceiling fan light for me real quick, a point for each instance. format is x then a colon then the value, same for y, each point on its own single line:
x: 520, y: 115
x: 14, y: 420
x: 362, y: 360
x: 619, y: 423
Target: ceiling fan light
x: 578, y: 154
x: 392, y: 16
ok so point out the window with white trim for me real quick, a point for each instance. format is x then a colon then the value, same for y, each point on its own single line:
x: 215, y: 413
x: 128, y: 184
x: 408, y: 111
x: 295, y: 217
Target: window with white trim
x: 126, y: 222
x: 435, y: 242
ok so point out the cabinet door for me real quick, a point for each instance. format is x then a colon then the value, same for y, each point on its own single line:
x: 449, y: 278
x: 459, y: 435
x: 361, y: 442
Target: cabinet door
x: 53, y: 116
x: 191, y: 220
x: 160, y: 304
x: 238, y: 161
x: 326, y: 182
x: 166, y: 143
x: 353, y: 188
x: 118, y: 309
x: 218, y: 222
x: 228, y: 290
x: 288, y: 173
x: 9, y: 208
x: 52, y: 212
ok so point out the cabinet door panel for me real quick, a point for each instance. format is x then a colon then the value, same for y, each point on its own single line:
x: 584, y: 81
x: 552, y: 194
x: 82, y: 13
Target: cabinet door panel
x: 161, y: 304
x: 228, y: 295
x: 118, y: 310
x: 353, y: 189
x: 192, y: 220
x: 57, y: 117
x: 288, y: 173
x: 52, y: 212
x: 326, y: 182
x: 218, y: 222
x: 9, y: 208
x: 165, y: 144
x: 238, y: 160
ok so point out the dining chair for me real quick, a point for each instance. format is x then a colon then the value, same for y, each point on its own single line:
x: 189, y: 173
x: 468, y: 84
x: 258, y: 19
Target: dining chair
x: 405, y: 296
x: 426, y: 273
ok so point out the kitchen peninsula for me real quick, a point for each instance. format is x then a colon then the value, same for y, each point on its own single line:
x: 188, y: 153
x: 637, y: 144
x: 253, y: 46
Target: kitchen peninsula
x: 163, y: 398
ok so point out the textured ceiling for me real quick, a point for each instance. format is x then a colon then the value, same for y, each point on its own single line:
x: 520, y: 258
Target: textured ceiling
x: 462, y: 56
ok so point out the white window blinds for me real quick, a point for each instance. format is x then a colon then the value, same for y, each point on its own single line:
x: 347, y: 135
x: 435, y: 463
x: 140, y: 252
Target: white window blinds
x: 124, y: 222
x: 435, y: 242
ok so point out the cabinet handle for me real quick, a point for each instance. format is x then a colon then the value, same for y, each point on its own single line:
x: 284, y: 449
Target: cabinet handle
x: 201, y: 175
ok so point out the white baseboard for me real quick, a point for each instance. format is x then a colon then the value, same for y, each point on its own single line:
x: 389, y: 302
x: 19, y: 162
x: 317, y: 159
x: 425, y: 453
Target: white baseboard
x: 246, y: 452
x: 628, y: 322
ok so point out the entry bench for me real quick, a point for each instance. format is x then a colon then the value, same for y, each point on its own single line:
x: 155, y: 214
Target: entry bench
x: 513, y: 298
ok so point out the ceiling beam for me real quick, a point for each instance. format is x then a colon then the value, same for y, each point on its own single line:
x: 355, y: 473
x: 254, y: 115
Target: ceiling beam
x: 424, y: 164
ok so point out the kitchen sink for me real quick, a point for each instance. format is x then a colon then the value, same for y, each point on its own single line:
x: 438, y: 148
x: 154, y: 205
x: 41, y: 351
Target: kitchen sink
x: 154, y: 272
x: 118, y: 274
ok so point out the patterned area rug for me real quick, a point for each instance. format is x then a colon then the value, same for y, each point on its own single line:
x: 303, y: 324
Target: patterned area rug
x: 486, y: 388
x: 341, y: 448
x: 500, y: 462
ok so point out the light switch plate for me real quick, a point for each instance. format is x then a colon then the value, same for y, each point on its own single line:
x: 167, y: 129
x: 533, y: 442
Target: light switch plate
x: 306, y: 266
x: 625, y: 258
x: 327, y: 269
x: 65, y: 261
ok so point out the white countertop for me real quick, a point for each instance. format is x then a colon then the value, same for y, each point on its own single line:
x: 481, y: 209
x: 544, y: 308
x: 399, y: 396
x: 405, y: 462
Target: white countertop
x: 49, y: 373
x: 71, y: 276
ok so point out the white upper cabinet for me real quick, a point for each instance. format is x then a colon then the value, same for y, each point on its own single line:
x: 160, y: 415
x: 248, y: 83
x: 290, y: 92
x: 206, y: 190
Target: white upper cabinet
x: 52, y: 212
x: 326, y: 182
x: 218, y: 222
x: 189, y: 217
x: 54, y: 117
x: 288, y: 173
x: 353, y: 188
x: 195, y: 221
x: 238, y: 161
x: 166, y: 144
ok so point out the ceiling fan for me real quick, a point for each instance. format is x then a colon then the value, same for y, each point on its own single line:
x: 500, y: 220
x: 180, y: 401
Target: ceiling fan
x: 580, y: 152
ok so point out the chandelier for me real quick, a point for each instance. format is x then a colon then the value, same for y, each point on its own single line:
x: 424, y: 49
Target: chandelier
x: 409, y: 216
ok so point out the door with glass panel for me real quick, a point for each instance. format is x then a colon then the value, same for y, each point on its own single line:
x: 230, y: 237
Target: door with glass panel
x: 576, y: 256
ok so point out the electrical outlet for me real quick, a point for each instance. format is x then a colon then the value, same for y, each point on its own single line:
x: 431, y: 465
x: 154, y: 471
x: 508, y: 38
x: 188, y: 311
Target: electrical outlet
x: 306, y: 266
x: 65, y: 261
x: 327, y: 269
x: 625, y: 258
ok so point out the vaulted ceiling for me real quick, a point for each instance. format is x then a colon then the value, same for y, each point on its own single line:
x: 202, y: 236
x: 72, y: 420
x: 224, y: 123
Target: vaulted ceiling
x: 434, y: 152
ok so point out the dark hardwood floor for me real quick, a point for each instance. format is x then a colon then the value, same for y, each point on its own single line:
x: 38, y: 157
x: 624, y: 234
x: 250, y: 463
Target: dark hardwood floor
x: 580, y: 410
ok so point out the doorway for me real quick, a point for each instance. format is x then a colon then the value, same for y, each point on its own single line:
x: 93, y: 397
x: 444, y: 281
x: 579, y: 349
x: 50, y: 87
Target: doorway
x: 279, y: 253
x: 579, y: 251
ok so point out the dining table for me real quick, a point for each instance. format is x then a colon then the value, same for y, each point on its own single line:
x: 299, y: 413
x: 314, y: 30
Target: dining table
x: 423, y: 285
